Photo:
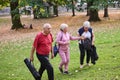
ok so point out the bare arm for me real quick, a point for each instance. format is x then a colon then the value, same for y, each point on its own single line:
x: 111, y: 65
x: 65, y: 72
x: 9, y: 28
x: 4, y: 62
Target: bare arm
x: 52, y: 54
x: 93, y: 38
x: 76, y: 38
x: 81, y: 37
x: 32, y: 53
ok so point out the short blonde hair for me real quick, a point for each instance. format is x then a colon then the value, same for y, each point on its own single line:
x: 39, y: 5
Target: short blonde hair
x: 46, y: 25
x: 86, y: 24
x: 63, y: 26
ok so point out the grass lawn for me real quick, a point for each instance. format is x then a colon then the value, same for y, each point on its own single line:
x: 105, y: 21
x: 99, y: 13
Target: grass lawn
x: 12, y: 54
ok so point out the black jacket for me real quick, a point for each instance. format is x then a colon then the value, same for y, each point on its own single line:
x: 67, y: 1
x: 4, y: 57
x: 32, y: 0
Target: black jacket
x: 94, y: 55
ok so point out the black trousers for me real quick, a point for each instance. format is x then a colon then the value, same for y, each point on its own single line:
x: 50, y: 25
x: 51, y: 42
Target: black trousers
x: 82, y: 54
x: 45, y: 65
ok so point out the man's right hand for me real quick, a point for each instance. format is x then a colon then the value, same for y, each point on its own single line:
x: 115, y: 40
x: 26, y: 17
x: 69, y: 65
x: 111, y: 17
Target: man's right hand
x: 31, y: 58
x: 31, y: 54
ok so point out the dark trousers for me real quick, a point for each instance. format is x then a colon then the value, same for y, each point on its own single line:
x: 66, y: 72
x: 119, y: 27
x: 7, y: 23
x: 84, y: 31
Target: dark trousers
x: 82, y: 54
x: 45, y: 65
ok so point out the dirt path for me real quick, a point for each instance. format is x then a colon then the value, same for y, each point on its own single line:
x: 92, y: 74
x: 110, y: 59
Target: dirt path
x: 11, y: 35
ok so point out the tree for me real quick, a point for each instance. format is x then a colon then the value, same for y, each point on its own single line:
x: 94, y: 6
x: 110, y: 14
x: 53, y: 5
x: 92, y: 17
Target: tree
x: 94, y: 15
x: 57, y: 3
x: 88, y: 6
x: 106, y: 11
x: 71, y: 4
x: 94, y: 10
x: 36, y: 4
x: 73, y: 9
x: 4, y: 3
x: 55, y: 7
x: 15, y: 16
x: 105, y: 4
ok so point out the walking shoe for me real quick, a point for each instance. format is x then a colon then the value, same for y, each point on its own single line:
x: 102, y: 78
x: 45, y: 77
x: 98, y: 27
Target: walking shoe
x: 93, y: 62
x: 81, y: 66
x: 88, y: 64
x: 66, y: 72
x: 61, y: 70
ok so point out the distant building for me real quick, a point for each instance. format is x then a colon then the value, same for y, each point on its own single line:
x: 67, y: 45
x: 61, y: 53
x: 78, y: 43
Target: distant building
x: 5, y: 11
x: 80, y: 6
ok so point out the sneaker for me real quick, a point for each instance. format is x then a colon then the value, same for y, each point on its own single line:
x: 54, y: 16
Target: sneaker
x: 88, y: 64
x: 61, y: 70
x: 66, y: 72
x: 81, y: 66
x: 93, y: 62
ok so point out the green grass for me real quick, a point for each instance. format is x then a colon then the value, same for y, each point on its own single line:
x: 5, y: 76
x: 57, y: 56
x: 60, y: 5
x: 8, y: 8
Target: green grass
x: 107, y: 42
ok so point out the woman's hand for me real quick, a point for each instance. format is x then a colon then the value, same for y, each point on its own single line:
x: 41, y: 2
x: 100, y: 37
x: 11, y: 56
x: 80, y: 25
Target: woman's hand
x: 81, y: 37
x: 66, y: 42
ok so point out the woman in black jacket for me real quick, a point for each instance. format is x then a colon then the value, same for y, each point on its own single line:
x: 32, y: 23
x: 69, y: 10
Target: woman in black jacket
x: 87, y: 32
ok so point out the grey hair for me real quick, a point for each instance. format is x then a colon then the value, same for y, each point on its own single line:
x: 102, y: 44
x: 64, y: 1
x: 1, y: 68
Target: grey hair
x: 63, y: 26
x: 46, y: 25
x: 86, y: 24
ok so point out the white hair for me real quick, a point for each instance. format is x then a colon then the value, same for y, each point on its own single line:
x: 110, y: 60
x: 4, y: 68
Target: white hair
x: 86, y: 24
x: 46, y: 25
x: 63, y: 26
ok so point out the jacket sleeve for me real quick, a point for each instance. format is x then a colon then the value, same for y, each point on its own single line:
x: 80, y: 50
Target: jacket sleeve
x: 59, y: 38
x: 36, y: 41
x: 74, y: 38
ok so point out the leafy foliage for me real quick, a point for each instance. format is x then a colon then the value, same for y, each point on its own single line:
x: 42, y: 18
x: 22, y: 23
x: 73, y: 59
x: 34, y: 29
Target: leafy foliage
x: 4, y: 3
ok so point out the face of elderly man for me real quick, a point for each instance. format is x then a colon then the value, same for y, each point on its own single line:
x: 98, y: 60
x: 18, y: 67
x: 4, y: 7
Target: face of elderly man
x: 47, y: 28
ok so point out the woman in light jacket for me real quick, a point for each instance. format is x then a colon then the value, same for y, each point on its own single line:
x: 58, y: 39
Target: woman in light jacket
x: 63, y: 40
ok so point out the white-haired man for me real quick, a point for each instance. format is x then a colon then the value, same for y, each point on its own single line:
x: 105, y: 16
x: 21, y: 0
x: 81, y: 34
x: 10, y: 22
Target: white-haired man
x: 43, y: 45
x: 87, y: 32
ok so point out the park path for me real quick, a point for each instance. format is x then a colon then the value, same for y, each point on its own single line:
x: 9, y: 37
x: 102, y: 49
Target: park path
x: 11, y: 35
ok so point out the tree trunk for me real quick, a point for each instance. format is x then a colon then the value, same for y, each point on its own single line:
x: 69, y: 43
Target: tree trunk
x: 106, y: 11
x: 35, y: 13
x: 15, y: 16
x: 88, y: 6
x: 56, y: 10
x: 94, y: 15
x: 73, y: 9
x: 48, y: 10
